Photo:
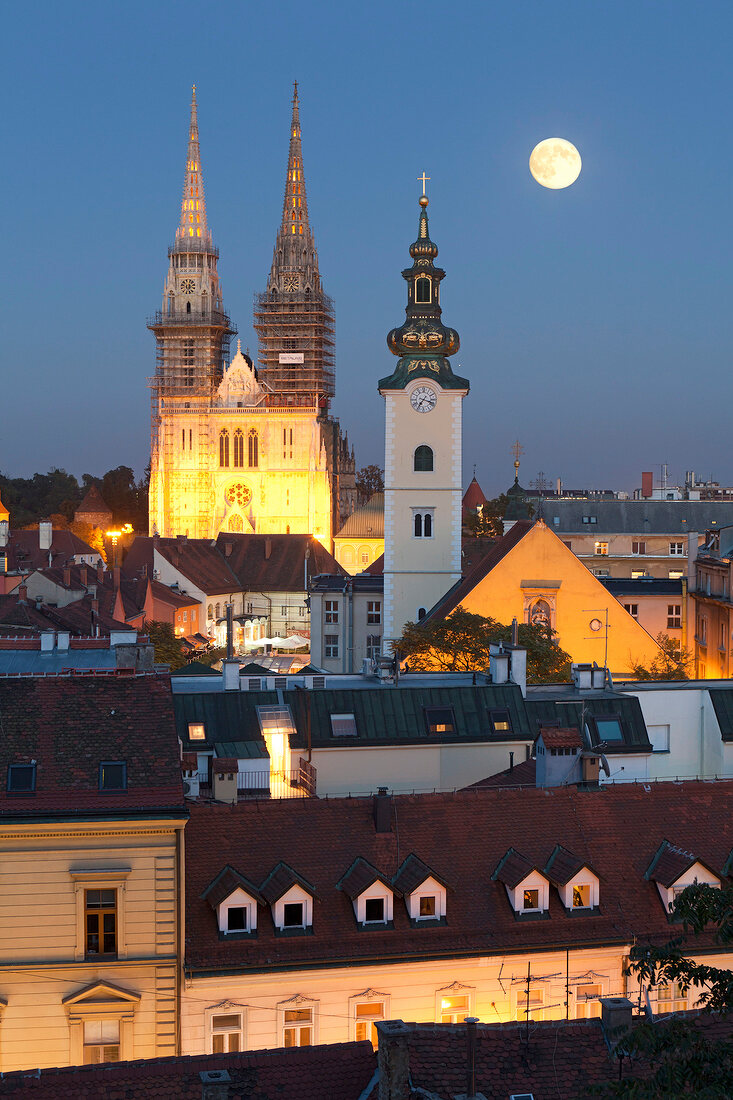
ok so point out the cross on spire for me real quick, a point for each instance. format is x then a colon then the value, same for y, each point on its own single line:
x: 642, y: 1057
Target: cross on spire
x: 423, y: 179
x: 193, y: 204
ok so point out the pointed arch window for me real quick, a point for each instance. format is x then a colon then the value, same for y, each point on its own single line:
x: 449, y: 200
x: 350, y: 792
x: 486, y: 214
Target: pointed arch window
x: 223, y: 447
x: 423, y: 459
x: 253, y: 449
x: 422, y: 290
x: 239, y: 447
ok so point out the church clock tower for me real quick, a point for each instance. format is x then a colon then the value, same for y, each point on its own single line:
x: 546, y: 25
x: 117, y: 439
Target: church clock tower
x: 423, y: 448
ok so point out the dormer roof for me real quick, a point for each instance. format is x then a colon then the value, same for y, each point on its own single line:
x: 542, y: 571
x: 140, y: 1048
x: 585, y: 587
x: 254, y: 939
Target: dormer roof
x: 280, y: 880
x: 413, y: 873
x: 564, y: 865
x: 513, y: 868
x: 670, y: 863
x: 226, y: 882
x: 359, y: 877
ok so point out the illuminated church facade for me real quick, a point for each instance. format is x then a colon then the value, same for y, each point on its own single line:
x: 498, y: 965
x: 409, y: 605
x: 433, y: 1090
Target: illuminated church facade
x: 235, y: 447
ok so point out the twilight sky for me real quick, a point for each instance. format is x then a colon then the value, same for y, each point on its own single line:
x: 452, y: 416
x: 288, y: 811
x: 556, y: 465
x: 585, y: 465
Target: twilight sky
x: 595, y: 322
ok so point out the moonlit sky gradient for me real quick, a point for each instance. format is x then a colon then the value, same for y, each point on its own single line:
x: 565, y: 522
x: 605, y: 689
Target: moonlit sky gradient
x: 596, y: 322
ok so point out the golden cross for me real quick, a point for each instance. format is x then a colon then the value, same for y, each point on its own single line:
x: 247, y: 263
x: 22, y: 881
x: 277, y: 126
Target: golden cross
x: 517, y: 450
x: 423, y: 179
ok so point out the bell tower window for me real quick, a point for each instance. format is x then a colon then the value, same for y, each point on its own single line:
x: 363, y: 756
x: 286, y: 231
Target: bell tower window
x: 423, y: 459
x: 422, y: 290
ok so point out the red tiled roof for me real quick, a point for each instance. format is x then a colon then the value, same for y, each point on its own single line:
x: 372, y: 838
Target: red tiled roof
x: 24, y: 553
x: 464, y: 587
x: 198, y: 560
x: 521, y: 775
x: 376, y: 569
x: 412, y: 873
x: 567, y: 737
x: 224, y: 885
x: 93, y: 503
x: 279, y: 881
x: 563, y: 865
x: 69, y: 726
x: 513, y: 868
x: 615, y: 830
x: 338, y: 1070
x: 359, y: 877
x: 669, y: 863
x: 275, y: 562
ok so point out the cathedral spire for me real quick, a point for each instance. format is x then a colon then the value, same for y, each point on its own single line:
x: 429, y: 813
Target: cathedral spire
x: 193, y: 203
x: 295, y: 204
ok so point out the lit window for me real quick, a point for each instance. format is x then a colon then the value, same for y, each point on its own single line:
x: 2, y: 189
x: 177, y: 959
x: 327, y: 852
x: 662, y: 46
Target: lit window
x: 100, y: 913
x: 101, y: 1041
x: 440, y: 720
x: 113, y: 776
x: 637, y: 574
x: 343, y: 725
x: 427, y: 907
x: 453, y: 1010
x: 670, y: 998
x: 581, y: 896
x: 366, y: 1015
x: 253, y: 449
x: 601, y: 548
x: 224, y: 448
x: 587, y: 1002
x: 530, y: 1006
x: 530, y: 899
x: 196, y: 731
x: 226, y: 1033
x: 297, y: 1027
x: 501, y: 721
x: 374, y: 612
x: 239, y: 447
x: 21, y: 778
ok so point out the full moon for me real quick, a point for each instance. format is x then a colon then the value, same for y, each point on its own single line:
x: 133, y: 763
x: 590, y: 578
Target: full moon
x: 555, y: 163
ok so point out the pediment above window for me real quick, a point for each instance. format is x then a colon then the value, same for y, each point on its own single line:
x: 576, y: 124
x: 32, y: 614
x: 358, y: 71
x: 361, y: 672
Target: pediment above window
x: 101, y: 999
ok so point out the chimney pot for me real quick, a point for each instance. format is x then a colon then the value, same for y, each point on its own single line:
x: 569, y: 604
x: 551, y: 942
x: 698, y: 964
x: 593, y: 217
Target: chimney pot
x: 616, y: 1017
x: 45, y: 534
x: 22, y: 593
x: 67, y: 576
x: 393, y: 1060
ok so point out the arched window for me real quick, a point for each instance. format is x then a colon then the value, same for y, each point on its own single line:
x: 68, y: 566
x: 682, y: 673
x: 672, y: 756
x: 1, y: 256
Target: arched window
x: 224, y: 447
x: 423, y: 524
x: 253, y: 448
x: 422, y: 290
x: 216, y: 609
x: 210, y: 611
x: 188, y: 307
x: 421, y: 613
x: 427, y: 526
x: 239, y: 447
x: 235, y: 523
x: 423, y: 458
x: 418, y: 525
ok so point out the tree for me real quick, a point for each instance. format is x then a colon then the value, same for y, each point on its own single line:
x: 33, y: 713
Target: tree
x: 671, y: 663
x: 168, y: 648
x: 460, y: 643
x: 487, y: 522
x: 369, y: 480
x: 682, y: 1058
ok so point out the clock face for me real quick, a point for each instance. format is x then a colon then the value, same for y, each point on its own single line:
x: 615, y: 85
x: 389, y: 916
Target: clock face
x: 423, y: 399
x: 292, y: 282
x: 188, y: 286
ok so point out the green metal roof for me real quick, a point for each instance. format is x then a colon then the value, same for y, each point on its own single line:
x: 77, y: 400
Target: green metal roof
x: 570, y: 713
x: 226, y: 716
x: 722, y: 700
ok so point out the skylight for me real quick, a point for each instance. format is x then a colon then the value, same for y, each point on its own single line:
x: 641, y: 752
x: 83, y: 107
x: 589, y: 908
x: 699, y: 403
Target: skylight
x: 343, y: 725
x: 275, y: 720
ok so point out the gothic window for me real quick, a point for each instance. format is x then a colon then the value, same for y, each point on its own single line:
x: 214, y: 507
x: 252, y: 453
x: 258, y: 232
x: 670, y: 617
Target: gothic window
x: 239, y: 447
x: 235, y: 523
x: 422, y: 290
x: 423, y: 458
x: 253, y: 448
x: 188, y: 307
x: 224, y: 447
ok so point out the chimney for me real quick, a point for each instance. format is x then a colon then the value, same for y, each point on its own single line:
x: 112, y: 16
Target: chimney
x: 116, y: 575
x: 230, y: 674
x: 83, y: 574
x: 224, y: 779
x: 647, y: 483
x: 616, y: 1018
x: 100, y: 572
x: 45, y: 535
x: 230, y: 632
x: 62, y: 641
x: 268, y: 548
x: 471, y: 1022
x: 67, y: 576
x: 228, y: 547
x: 393, y: 1060
x: 215, y: 1084
x: 4, y: 532
x: 48, y: 640
x: 22, y: 593
x: 383, y: 811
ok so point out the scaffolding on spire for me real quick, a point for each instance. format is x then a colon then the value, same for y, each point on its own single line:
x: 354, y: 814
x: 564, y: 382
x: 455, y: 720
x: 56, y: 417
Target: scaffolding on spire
x: 294, y: 318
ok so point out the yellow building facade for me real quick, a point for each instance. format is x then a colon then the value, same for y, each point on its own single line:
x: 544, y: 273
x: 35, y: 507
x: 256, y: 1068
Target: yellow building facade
x: 532, y: 576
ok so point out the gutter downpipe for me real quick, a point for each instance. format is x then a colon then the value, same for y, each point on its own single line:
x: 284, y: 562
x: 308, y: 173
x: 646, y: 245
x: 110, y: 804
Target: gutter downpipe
x: 350, y: 594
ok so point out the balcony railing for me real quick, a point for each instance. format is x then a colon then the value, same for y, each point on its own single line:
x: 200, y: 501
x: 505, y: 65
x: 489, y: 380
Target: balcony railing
x: 298, y: 783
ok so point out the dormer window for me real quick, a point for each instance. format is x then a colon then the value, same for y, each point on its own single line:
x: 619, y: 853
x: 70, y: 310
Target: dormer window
x: 196, y: 731
x: 527, y: 888
x: 290, y: 898
x: 673, y: 870
x: 577, y: 885
x: 440, y: 720
x: 234, y: 900
x: 424, y: 892
x: 371, y: 894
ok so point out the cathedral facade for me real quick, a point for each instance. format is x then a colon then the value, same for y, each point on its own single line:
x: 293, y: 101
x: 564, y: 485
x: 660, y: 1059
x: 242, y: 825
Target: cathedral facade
x: 235, y: 447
